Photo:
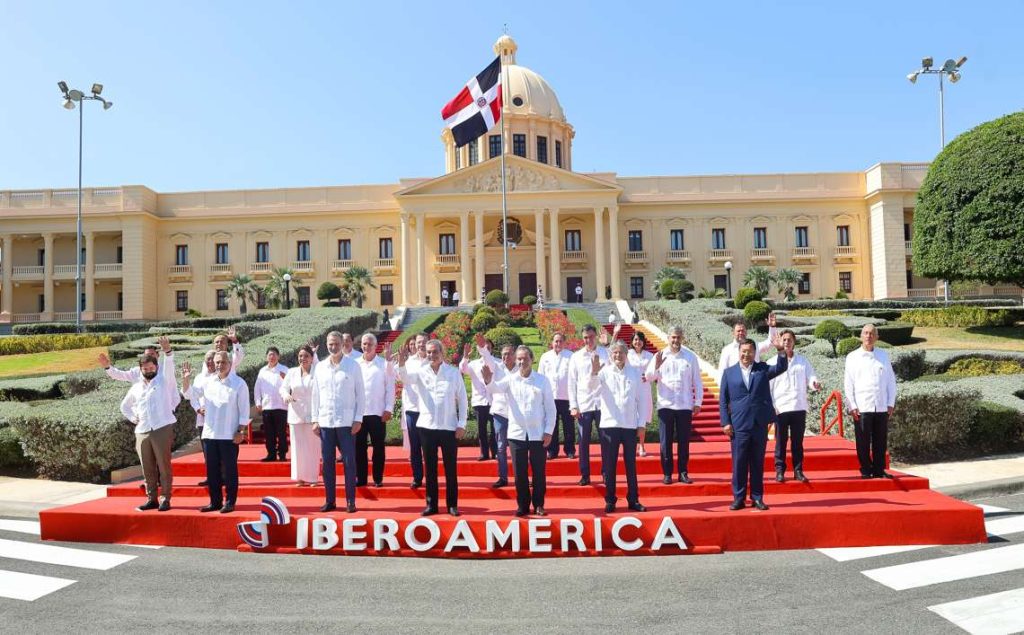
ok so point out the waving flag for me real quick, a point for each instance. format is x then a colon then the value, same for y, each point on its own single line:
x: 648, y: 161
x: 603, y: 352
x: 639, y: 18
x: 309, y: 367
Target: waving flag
x: 477, y: 107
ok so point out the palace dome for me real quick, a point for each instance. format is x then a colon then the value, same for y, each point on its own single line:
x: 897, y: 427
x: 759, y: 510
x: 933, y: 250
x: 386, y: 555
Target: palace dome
x: 529, y: 93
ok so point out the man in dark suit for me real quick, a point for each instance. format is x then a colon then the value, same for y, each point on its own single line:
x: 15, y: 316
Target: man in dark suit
x: 745, y: 403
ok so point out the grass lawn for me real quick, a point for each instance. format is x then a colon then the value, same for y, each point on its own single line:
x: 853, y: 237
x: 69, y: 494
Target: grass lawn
x: 425, y: 324
x: 49, y: 363
x: 580, y: 318
x: 1001, y: 338
x: 531, y: 338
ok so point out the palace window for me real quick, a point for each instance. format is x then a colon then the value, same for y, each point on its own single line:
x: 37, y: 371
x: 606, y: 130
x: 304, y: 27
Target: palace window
x: 636, y: 240
x: 721, y: 281
x: 542, y: 149
x: 446, y: 244
x: 262, y: 252
x: 718, y: 238
x: 675, y: 240
x: 760, y: 238
x: 458, y: 158
x: 119, y: 256
x: 42, y: 303
x: 42, y: 257
x: 222, y: 299
x: 906, y: 232
x: 846, y: 281
x: 181, y: 255
x: 636, y: 287
x: 804, y: 287
x: 802, y: 240
x: 120, y: 301
x: 573, y: 240
x: 519, y: 145
x: 387, y: 294
x: 81, y: 302
x: 344, y: 249
x: 303, y: 293
x: 302, y: 251
x: 493, y: 146
x: 558, y: 153
x: 385, y: 249
x: 474, y: 152
x: 222, y: 254
x: 181, y: 300
x: 843, y: 235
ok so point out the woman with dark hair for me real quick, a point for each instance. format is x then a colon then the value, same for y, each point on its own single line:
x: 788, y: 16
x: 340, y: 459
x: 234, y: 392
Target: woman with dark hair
x: 296, y: 389
x: 639, y: 358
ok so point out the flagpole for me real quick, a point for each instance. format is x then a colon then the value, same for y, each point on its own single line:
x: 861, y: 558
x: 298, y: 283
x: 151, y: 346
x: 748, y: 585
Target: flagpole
x: 504, y: 196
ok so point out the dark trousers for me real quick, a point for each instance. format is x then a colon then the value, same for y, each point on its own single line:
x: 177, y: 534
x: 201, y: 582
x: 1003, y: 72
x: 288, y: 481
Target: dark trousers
x: 790, y: 425
x: 674, y: 426
x: 371, y: 432
x: 221, y: 470
x: 748, y: 449
x: 872, y: 434
x: 563, y: 417
x: 431, y: 440
x: 587, y: 422
x: 529, y: 454
x: 415, y: 449
x: 275, y: 422
x: 488, y: 442
x: 612, y: 439
x: 332, y: 439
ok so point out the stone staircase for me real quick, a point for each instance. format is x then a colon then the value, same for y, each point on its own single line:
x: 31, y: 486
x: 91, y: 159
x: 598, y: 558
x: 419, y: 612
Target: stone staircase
x: 414, y: 313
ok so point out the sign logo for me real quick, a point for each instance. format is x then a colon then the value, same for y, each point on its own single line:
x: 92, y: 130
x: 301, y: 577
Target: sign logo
x: 272, y: 512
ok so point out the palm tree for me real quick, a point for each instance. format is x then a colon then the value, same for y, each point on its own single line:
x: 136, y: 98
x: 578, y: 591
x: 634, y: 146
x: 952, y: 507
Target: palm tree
x: 274, y: 290
x: 354, y: 283
x: 243, y: 288
x: 760, y: 278
x: 787, y: 280
x: 711, y: 293
x: 666, y: 273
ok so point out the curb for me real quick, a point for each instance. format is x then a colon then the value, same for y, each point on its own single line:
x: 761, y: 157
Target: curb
x: 983, y: 489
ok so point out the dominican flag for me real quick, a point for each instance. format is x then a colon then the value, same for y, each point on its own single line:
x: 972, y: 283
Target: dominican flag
x: 477, y: 107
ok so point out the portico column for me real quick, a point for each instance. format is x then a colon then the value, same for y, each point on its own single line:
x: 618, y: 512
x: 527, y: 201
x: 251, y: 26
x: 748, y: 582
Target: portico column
x: 420, y: 258
x: 47, y: 278
x: 599, y: 247
x: 554, y: 290
x: 466, y: 294
x: 7, y: 301
x: 88, y: 282
x: 479, y: 259
x: 538, y: 223
x: 405, y: 265
x: 613, y: 238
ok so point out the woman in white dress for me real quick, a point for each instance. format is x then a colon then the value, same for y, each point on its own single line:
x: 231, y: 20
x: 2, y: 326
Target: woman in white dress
x: 296, y: 389
x: 639, y: 358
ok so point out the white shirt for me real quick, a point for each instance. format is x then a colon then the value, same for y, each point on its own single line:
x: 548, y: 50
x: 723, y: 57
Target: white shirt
x: 789, y: 390
x: 150, y: 405
x: 679, y: 383
x: 338, y: 395
x: 731, y: 351
x: 410, y: 396
x: 480, y: 396
x: 378, y: 386
x: 640, y: 361
x: 499, y: 400
x: 442, y: 396
x: 555, y: 366
x: 455, y: 297
x: 869, y: 381
x: 266, y: 391
x: 745, y: 372
x: 195, y: 393
x: 300, y: 387
x: 619, y: 395
x: 227, y: 406
x: 583, y: 396
x: 133, y: 374
x: 531, y: 405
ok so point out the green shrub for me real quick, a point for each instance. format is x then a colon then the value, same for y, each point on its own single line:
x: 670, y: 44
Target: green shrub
x: 932, y: 424
x: 11, y: 453
x: 496, y: 298
x: 958, y: 316
x: 907, y: 365
x: 847, y: 345
x: 483, y: 308
x: 756, y: 312
x: 503, y: 337
x: 44, y: 328
x: 667, y: 289
x: 328, y: 291
x: 975, y: 366
x: 22, y: 344
x: 996, y: 428
x: 701, y: 321
x: 684, y: 290
x: 483, y: 322
x: 31, y: 388
x: 530, y: 300
x: 745, y: 295
x: 832, y: 331
x: 895, y: 333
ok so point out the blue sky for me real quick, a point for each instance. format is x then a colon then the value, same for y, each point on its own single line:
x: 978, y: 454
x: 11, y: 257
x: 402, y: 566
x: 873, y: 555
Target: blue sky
x: 219, y: 95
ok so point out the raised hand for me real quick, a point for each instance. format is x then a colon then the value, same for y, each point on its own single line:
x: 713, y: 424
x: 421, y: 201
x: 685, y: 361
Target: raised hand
x: 480, y: 340
x: 603, y: 339
x: 486, y: 373
x: 777, y: 343
x: 165, y: 343
x: 595, y: 365
x: 771, y: 319
x: 403, y: 355
x: 659, y: 359
x: 615, y: 331
x: 186, y: 371
x: 387, y: 351
x: 467, y: 348
x: 103, y: 360
x: 231, y: 335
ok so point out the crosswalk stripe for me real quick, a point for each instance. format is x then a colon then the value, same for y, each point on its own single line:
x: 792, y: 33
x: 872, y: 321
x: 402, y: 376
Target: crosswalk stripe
x: 1005, y: 526
x: 65, y: 556
x: 27, y: 586
x: 996, y: 613
x: 938, y: 570
x: 991, y: 509
x: 20, y: 526
x: 125, y: 544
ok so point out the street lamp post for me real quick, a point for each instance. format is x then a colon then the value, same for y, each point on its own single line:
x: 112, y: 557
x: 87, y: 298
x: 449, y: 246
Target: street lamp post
x: 950, y: 68
x: 287, y: 290
x: 728, y: 278
x: 70, y: 97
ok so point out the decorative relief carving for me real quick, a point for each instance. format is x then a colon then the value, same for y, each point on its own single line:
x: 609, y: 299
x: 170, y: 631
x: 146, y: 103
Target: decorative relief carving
x: 517, y: 178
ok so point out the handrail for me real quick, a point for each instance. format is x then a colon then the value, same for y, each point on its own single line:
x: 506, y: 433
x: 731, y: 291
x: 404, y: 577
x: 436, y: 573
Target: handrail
x: 838, y: 398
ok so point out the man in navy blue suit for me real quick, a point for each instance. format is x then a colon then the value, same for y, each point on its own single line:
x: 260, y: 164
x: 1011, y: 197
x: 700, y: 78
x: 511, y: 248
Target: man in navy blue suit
x: 746, y: 408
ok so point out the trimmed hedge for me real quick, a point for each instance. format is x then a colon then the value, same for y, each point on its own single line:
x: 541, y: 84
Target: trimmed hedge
x: 31, y: 388
x: 958, y: 316
x: 49, y: 328
x: 24, y: 344
x: 996, y: 428
x: 756, y: 312
x: 503, y: 337
x: 895, y: 333
x: 11, y: 453
x: 976, y: 366
x: 932, y: 425
x: 890, y: 304
x: 746, y: 295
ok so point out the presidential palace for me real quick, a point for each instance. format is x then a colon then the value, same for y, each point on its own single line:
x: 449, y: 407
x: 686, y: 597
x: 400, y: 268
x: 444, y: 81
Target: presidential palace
x: 154, y: 255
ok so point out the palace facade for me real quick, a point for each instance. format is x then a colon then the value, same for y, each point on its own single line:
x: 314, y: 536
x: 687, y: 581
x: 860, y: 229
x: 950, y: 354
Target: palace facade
x: 151, y: 255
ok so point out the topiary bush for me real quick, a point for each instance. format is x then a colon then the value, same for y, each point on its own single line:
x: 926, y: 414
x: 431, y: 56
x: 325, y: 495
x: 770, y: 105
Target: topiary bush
x: 684, y: 290
x: 496, y: 298
x: 484, y: 322
x: 756, y: 312
x: 895, y: 333
x: 530, y: 300
x: 846, y: 346
x: 667, y: 289
x: 745, y: 295
x: 832, y: 331
x: 503, y: 337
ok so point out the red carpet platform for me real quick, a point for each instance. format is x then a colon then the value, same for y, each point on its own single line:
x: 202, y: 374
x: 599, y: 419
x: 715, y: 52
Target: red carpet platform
x: 836, y: 509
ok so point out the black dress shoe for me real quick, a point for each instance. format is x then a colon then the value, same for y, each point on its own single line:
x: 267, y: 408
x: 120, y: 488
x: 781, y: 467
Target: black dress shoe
x: 583, y: 481
x: 453, y: 511
x: 866, y: 476
x: 884, y: 475
x: 521, y: 512
x: 570, y: 456
x: 430, y: 511
x: 737, y: 504
x: 165, y: 506
x: 481, y: 458
x: 350, y: 508
x: 266, y: 459
x: 282, y: 458
x: 360, y: 483
x: 210, y: 508
x: 609, y: 508
x: 685, y: 478
x: 759, y: 505
x: 799, y: 475
x: 637, y: 507
x: 203, y: 483
x: 780, y: 476
x: 667, y: 480
x: 501, y: 482
x: 415, y: 484
x: 540, y: 511
x: 148, y: 505
x: 227, y: 509
x: 328, y: 507
x: 378, y: 483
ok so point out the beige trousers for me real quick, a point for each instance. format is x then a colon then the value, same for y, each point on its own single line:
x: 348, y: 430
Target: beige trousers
x: 154, y: 450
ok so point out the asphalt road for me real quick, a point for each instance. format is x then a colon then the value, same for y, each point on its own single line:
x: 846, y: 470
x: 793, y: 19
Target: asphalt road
x: 171, y: 589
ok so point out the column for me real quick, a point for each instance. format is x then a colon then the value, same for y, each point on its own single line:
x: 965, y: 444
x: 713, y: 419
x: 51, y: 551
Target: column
x: 479, y: 259
x: 554, y: 290
x: 466, y: 293
x: 599, y: 247
x: 88, y: 282
x: 613, y: 238
x: 421, y: 290
x: 538, y: 223
x: 404, y: 265
x: 48, y: 278
x: 7, y: 301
